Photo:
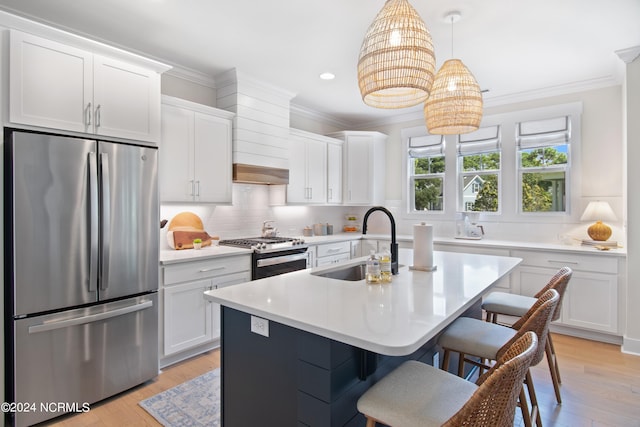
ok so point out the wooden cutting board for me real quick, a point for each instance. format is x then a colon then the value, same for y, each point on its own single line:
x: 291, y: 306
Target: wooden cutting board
x: 186, y: 221
x: 184, y: 228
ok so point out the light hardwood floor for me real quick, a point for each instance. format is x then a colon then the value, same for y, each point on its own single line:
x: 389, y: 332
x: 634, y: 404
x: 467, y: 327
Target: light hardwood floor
x: 600, y: 387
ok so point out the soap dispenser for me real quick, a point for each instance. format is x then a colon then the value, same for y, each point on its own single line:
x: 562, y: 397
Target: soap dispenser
x: 373, y: 268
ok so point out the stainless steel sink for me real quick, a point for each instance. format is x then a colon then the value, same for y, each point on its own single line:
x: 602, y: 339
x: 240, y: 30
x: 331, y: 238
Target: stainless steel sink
x: 351, y: 272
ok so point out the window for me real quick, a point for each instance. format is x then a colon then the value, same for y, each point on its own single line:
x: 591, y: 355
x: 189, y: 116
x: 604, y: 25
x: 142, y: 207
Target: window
x: 426, y: 173
x: 543, y: 164
x: 479, y: 170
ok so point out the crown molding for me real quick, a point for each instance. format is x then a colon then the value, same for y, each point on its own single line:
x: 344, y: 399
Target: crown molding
x: 236, y: 77
x: 192, y: 76
x: 551, y: 91
x: 628, y: 55
x: 308, y: 113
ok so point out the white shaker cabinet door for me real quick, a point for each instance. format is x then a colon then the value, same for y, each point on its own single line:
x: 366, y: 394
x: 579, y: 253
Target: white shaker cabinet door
x: 188, y: 317
x: 127, y: 100
x: 212, y: 158
x: 316, y: 160
x: 334, y: 173
x: 359, y: 170
x: 50, y: 84
x: 176, y: 155
x: 591, y: 302
x: 297, y: 189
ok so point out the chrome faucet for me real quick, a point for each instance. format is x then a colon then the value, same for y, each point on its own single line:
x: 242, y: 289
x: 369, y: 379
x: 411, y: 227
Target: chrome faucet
x: 394, y: 244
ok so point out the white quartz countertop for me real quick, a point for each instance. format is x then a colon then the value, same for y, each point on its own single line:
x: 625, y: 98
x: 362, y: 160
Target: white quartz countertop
x: 393, y: 319
x: 171, y: 256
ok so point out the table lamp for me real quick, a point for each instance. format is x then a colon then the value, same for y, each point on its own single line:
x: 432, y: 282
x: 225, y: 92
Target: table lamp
x: 598, y: 212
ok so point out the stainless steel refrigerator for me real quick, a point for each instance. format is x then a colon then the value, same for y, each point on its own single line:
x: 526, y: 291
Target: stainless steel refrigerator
x: 81, y: 265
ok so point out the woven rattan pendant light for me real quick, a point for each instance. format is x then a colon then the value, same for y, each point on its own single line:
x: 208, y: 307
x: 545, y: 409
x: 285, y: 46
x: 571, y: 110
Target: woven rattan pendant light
x: 397, y: 64
x: 455, y: 104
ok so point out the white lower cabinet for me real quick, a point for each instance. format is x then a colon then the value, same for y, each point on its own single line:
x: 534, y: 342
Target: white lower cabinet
x: 332, y: 253
x: 591, y: 299
x: 190, y: 324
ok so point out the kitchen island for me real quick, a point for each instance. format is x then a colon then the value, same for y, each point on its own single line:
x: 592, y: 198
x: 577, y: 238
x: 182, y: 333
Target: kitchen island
x: 300, y: 348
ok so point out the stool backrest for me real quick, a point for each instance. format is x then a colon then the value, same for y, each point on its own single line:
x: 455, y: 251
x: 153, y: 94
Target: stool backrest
x: 559, y: 282
x: 536, y: 320
x: 493, y: 404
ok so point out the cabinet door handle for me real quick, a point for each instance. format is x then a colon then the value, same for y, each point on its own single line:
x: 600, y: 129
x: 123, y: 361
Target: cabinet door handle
x: 563, y: 262
x: 310, y: 193
x: 205, y: 270
x: 88, y: 115
x: 333, y: 250
x: 98, y: 116
x: 198, y: 188
x: 192, y: 189
x: 331, y: 194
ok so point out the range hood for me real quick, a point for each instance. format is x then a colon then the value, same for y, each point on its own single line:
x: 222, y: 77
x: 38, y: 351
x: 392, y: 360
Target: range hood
x: 260, y: 127
x: 254, y: 174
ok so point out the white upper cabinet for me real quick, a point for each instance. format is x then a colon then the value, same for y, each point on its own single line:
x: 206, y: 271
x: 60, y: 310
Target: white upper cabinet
x: 363, y: 167
x: 195, y: 153
x: 334, y: 172
x: 307, y: 168
x: 54, y: 85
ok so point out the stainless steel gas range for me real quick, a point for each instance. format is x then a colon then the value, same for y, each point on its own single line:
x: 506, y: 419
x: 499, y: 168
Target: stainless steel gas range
x: 272, y: 255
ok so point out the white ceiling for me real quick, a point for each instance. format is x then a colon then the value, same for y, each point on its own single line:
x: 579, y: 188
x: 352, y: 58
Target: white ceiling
x: 516, y: 49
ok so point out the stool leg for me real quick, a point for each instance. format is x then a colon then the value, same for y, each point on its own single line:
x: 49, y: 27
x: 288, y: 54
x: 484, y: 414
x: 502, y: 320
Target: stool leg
x: 461, y: 365
x: 445, y: 359
x: 552, y: 362
x: 555, y: 358
x: 524, y: 408
x: 371, y: 422
x: 535, y: 409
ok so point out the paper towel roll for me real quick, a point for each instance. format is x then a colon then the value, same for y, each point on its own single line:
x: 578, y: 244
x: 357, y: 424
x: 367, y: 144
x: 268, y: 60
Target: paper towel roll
x: 423, y: 247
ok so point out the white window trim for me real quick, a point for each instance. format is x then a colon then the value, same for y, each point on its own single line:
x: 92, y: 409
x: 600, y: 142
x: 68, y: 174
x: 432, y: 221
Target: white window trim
x: 509, y: 210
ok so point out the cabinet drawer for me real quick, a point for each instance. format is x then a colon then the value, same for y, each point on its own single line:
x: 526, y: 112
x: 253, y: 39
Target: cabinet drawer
x: 333, y: 248
x: 332, y: 259
x: 195, y: 270
x: 577, y: 262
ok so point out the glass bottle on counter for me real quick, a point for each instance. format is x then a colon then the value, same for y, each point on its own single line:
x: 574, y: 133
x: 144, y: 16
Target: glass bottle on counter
x: 385, y: 266
x: 373, y: 268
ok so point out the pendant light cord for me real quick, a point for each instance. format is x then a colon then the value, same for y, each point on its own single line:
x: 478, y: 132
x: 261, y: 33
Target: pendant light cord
x: 452, y: 18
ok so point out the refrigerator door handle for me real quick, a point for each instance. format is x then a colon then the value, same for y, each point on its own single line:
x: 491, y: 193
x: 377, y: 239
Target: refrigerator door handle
x: 106, y: 219
x: 90, y: 318
x: 93, y: 222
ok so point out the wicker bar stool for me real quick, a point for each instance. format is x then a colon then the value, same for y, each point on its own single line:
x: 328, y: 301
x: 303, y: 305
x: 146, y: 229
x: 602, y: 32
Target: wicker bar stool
x: 476, y: 338
x: 416, y: 394
x: 497, y: 303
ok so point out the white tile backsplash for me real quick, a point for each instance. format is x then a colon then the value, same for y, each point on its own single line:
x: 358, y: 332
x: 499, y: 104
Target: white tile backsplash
x: 251, y: 207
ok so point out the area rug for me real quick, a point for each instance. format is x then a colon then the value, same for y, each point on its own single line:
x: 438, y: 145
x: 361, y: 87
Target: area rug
x: 193, y: 403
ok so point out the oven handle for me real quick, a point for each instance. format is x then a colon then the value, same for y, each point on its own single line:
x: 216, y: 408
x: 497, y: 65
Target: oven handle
x: 280, y: 259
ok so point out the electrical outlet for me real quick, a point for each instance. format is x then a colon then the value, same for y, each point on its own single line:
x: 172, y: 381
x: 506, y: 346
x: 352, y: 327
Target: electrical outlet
x: 260, y: 326
x: 436, y: 360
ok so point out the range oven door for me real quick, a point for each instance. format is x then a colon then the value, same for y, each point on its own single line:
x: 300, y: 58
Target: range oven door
x: 280, y: 262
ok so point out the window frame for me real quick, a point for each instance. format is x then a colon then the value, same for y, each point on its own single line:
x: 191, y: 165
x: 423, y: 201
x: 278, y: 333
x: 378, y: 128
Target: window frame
x: 486, y: 140
x: 438, y: 150
x: 510, y: 199
x: 565, y: 167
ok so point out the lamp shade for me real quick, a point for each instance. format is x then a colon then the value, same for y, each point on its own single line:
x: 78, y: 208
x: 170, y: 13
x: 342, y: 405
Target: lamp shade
x: 455, y: 104
x: 396, y: 66
x: 598, y: 211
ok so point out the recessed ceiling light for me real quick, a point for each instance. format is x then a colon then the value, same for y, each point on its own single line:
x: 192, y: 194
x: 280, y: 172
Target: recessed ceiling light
x: 327, y: 76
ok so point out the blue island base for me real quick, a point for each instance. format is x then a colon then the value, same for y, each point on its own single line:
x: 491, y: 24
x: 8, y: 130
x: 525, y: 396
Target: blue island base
x: 296, y: 378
